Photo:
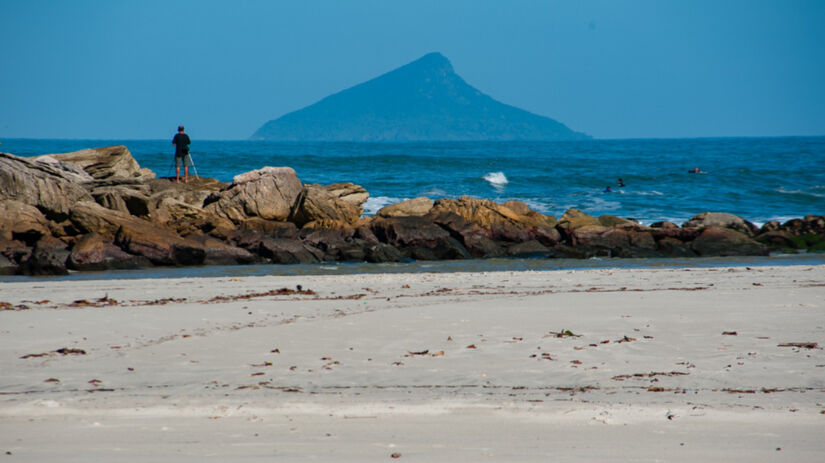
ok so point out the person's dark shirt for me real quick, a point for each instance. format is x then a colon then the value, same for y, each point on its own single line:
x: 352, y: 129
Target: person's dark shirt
x: 181, y: 142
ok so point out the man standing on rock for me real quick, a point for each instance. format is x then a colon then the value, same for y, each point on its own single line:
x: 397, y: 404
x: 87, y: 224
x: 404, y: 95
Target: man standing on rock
x: 181, y: 142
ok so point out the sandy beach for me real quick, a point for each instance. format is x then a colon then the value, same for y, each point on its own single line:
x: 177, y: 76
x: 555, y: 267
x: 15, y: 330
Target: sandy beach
x: 635, y: 365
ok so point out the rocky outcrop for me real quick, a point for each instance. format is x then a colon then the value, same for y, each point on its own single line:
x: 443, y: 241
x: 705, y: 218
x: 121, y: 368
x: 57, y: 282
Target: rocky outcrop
x: 270, y: 193
x: 76, y: 212
x: 106, y: 163
x: 41, y: 185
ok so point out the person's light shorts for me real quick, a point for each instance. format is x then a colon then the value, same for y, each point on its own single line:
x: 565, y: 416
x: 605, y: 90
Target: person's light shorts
x: 185, y: 160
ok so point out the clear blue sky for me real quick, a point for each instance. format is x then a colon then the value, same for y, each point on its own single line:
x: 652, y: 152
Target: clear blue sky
x: 612, y: 69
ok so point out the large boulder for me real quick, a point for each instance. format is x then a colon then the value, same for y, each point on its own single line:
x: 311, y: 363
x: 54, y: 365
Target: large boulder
x: 316, y: 203
x: 722, y: 220
x: 41, y: 185
x: 104, y: 163
x: 270, y: 193
x: 415, y: 207
x: 717, y: 241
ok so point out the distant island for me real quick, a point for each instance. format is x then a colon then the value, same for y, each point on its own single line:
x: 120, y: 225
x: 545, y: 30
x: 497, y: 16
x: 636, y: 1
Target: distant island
x: 422, y: 101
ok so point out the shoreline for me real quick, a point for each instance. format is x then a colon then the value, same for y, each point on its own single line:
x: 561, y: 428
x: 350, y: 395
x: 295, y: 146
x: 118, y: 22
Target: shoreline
x: 673, y: 364
x: 514, y: 264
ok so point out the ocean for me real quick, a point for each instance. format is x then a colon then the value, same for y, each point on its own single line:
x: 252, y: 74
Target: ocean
x: 759, y: 179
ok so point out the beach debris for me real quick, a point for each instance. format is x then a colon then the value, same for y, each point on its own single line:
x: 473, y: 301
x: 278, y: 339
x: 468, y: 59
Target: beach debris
x: 801, y: 345
x: 274, y: 292
x: 413, y: 354
x: 260, y: 365
x: 670, y: 415
x: 405, y: 286
x: 259, y: 373
x: 562, y: 334
x: 449, y: 338
x: 61, y: 351
x: 9, y: 306
x: 729, y: 333
x: 649, y: 375
x: 275, y: 351
x: 395, y: 455
x: 438, y: 354
x: 95, y: 382
x: 574, y: 362
x: 397, y: 364
x: 626, y: 339
x: 472, y: 346
x: 51, y: 380
x: 514, y: 340
x: 104, y: 301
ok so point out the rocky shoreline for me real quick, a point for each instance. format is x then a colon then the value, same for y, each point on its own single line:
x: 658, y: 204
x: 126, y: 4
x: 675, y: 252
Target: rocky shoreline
x: 97, y: 209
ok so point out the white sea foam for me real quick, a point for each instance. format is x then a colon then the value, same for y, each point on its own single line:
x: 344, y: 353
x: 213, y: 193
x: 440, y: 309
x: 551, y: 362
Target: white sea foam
x: 799, y: 192
x: 374, y: 203
x: 497, y: 179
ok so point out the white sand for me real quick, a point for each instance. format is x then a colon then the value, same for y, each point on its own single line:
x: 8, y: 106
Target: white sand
x: 192, y: 381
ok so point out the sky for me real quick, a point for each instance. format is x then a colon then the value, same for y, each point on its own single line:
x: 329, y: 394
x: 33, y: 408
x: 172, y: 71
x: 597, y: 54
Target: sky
x: 612, y: 69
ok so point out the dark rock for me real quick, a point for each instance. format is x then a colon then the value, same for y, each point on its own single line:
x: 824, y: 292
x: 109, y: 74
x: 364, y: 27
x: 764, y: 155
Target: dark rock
x: 7, y: 266
x: 781, y: 241
x: 92, y: 252
x: 474, y: 238
x: 664, y: 224
x: 418, y: 238
x: 220, y: 253
x: 48, y: 257
x: 283, y: 251
x: 674, y: 248
x: 530, y: 248
x: 381, y: 252
x: 716, y: 241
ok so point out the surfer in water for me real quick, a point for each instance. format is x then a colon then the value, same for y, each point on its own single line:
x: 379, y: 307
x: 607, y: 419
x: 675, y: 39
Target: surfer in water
x: 620, y: 183
x: 695, y: 170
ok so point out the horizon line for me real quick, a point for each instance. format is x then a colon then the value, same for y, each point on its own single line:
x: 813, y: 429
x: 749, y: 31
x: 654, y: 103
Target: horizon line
x: 591, y: 139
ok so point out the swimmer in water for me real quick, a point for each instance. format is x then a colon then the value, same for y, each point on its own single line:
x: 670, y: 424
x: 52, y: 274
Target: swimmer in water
x: 608, y: 190
x: 620, y: 182
x: 694, y: 171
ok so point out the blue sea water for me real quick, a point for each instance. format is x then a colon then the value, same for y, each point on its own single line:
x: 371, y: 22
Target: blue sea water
x: 759, y: 179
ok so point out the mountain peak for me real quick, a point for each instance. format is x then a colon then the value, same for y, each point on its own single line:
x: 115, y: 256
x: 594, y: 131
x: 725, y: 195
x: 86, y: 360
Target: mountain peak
x: 422, y: 100
x: 434, y: 60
